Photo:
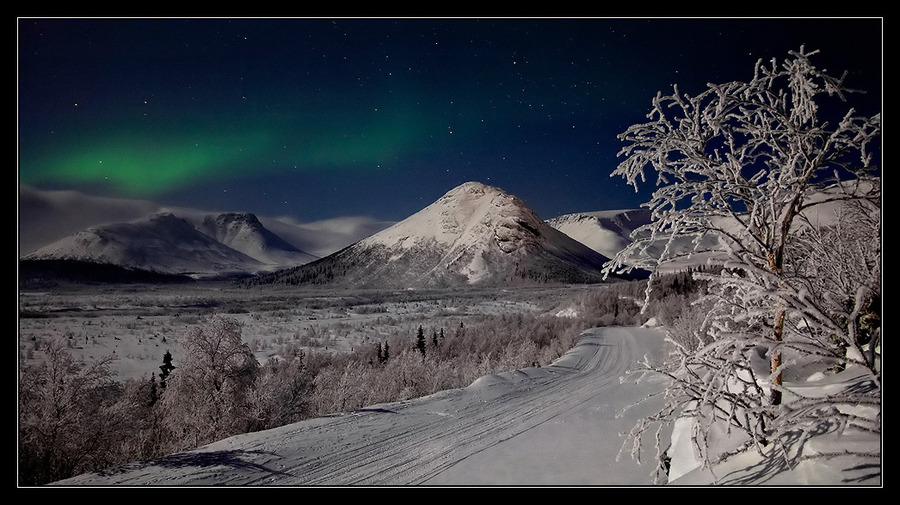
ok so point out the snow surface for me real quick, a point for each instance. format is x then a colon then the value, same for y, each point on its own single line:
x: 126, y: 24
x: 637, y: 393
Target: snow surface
x: 560, y: 425
x: 606, y: 232
x: 161, y: 242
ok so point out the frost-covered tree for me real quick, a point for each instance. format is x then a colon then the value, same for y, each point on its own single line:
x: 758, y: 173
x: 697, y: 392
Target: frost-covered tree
x: 209, y: 396
x: 834, y: 264
x: 281, y: 393
x: 746, y: 164
x: 67, y: 418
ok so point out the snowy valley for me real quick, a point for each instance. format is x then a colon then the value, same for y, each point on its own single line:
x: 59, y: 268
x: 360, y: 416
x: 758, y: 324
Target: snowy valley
x: 466, y: 262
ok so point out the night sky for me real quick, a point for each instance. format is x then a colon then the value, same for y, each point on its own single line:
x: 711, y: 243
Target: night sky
x: 320, y: 118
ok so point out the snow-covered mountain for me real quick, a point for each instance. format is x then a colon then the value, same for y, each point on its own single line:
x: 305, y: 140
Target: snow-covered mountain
x: 610, y: 231
x: 46, y: 216
x: 606, y: 232
x: 474, y: 234
x: 225, y: 244
x: 243, y: 232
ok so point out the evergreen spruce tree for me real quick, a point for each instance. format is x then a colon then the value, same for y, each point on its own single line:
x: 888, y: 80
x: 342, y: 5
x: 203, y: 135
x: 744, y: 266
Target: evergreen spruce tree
x: 166, y: 368
x: 154, y: 392
x: 420, y: 340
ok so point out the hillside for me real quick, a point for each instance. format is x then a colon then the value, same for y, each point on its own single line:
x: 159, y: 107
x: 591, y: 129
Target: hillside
x: 243, y: 232
x: 606, y: 232
x: 221, y: 245
x: 473, y: 235
x: 47, y: 216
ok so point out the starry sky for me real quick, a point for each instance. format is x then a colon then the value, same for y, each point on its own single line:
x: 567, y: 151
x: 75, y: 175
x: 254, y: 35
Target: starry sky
x: 314, y: 118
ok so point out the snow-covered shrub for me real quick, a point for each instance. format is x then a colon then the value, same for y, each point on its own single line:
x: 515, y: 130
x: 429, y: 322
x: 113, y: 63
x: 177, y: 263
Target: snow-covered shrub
x: 208, y: 396
x: 66, y: 418
x: 280, y: 394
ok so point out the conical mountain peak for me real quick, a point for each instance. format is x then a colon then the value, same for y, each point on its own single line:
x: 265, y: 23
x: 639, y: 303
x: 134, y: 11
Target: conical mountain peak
x: 468, y: 214
x: 473, y: 234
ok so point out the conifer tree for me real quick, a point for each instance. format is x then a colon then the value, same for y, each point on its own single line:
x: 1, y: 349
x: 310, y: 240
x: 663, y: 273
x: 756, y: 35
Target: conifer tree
x: 420, y: 340
x: 165, y: 369
x: 154, y: 392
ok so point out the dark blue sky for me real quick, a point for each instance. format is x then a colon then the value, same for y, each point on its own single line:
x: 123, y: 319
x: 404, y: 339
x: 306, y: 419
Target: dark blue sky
x: 318, y: 118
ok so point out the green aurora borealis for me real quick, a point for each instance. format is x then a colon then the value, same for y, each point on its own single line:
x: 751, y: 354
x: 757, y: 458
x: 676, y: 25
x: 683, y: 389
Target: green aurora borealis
x: 151, y: 162
x: 316, y: 118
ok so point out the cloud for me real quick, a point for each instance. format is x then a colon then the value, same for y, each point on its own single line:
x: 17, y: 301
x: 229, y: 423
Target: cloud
x: 46, y: 216
x: 326, y: 236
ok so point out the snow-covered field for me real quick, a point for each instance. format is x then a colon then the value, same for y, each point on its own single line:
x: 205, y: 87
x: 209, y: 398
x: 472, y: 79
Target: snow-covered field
x: 561, y: 425
x: 558, y: 425
x: 137, y: 324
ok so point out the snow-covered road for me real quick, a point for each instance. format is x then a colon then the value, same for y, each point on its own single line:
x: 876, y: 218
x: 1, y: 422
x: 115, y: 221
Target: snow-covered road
x: 556, y: 425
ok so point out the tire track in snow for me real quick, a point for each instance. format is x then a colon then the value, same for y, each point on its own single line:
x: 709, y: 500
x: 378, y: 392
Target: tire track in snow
x: 438, y: 440
x: 406, y: 442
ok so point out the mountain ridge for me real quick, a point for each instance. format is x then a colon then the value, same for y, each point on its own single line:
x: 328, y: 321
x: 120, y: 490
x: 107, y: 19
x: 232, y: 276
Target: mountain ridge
x: 226, y: 244
x: 243, y: 232
x: 606, y: 232
x: 474, y: 234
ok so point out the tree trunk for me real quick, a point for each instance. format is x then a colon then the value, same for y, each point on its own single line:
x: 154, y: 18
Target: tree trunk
x: 778, y: 333
x: 776, y: 265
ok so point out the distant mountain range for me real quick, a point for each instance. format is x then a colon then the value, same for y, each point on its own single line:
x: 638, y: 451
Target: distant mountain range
x: 221, y: 245
x: 244, y: 232
x: 46, y: 216
x: 473, y: 235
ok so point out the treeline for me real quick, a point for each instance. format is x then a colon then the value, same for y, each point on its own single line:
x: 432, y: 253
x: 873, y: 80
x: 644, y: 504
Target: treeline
x: 435, y: 359
x: 42, y: 274
x: 74, y: 418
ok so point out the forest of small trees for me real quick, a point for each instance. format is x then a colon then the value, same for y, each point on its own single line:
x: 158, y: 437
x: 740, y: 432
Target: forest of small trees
x: 75, y: 418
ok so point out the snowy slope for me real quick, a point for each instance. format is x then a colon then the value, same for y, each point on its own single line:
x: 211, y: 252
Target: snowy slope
x: 474, y: 234
x: 559, y: 425
x: 553, y: 425
x: 161, y: 243
x: 47, y: 216
x: 222, y: 243
x: 609, y: 232
x: 321, y: 238
x: 606, y: 232
x: 244, y: 232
